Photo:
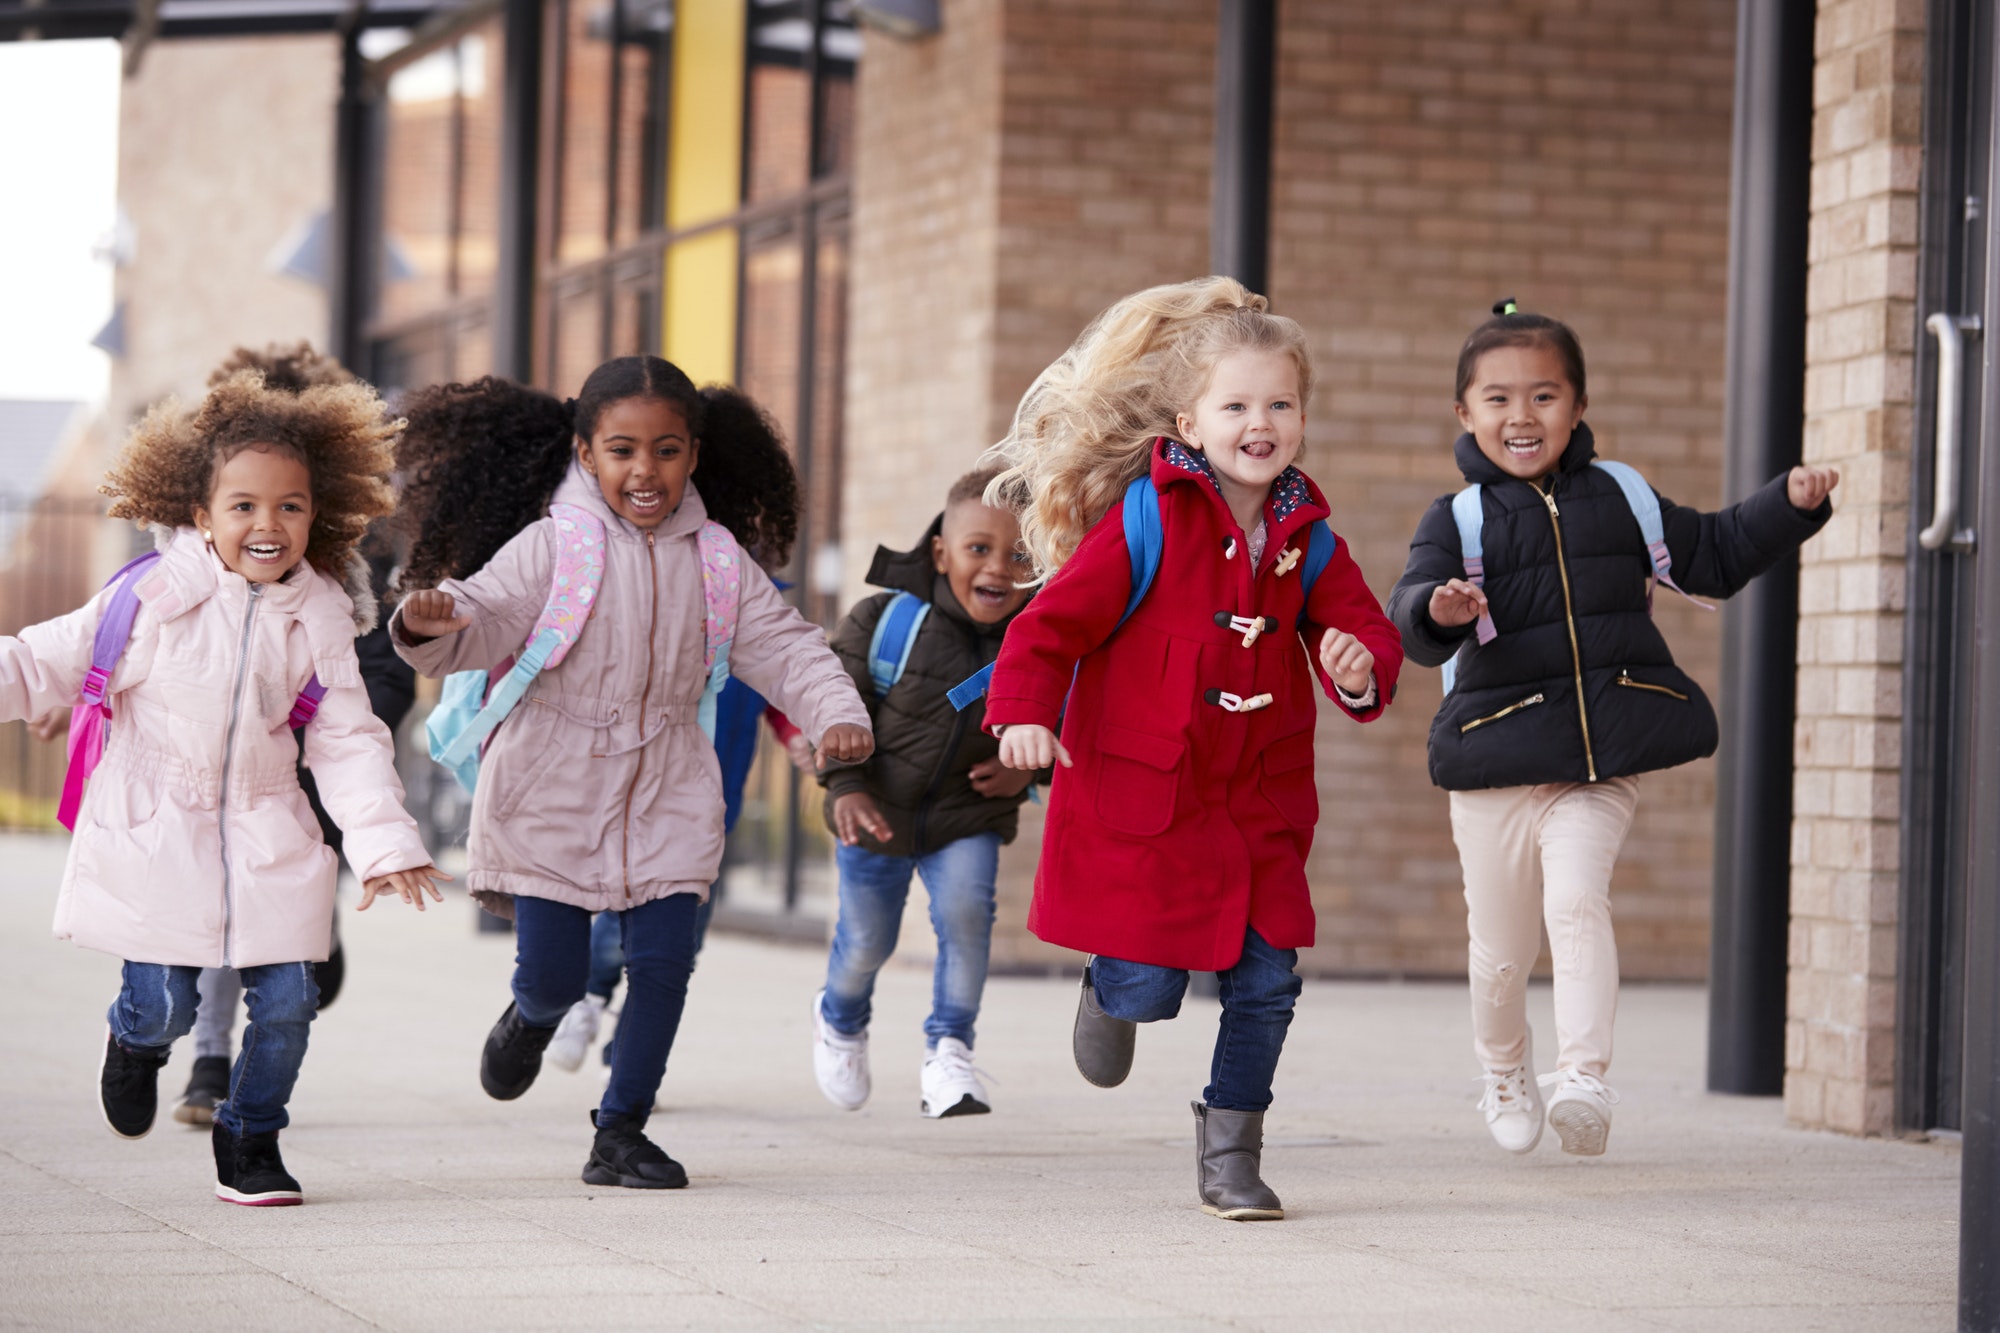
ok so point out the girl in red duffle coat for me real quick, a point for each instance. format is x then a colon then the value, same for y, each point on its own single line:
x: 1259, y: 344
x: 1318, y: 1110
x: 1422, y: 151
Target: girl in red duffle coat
x: 1183, y: 805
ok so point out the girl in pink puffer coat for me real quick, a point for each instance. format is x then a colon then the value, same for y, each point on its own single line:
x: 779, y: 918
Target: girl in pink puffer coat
x: 601, y: 792
x: 194, y: 845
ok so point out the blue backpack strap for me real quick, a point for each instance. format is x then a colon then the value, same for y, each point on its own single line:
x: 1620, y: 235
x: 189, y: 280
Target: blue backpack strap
x: 1320, y: 546
x: 1145, y: 539
x: 895, y: 635
x: 1645, y: 507
x: 1469, y: 514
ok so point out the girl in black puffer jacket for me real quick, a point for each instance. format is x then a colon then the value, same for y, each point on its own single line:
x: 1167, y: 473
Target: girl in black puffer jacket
x: 1564, y: 693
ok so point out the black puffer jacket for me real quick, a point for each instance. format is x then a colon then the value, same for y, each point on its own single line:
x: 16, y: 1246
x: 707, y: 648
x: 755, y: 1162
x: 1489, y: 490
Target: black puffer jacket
x: 1566, y: 574
x: 924, y: 749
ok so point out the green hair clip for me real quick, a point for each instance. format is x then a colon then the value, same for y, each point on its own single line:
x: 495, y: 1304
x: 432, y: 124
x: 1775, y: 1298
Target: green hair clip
x: 1506, y: 305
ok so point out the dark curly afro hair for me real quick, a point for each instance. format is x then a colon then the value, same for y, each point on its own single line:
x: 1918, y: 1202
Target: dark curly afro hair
x: 340, y: 431
x: 480, y: 462
x: 292, y: 368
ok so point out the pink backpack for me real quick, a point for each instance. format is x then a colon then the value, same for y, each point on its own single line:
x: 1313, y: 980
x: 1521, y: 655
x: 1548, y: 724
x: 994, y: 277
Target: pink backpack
x: 87, y: 718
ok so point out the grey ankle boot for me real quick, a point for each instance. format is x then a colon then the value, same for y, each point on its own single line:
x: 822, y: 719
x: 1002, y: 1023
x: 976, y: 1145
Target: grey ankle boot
x: 1228, y: 1148
x: 1101, y: 1044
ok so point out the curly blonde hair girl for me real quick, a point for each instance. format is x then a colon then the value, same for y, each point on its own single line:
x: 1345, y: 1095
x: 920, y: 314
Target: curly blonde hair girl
x: 340, y: 431
x: 1085, y: 429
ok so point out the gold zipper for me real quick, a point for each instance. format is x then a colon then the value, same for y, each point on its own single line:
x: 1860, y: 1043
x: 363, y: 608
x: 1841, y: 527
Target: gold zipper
x: 1510, y: 708
x: 1569, y: 619
x: 1625, y: 679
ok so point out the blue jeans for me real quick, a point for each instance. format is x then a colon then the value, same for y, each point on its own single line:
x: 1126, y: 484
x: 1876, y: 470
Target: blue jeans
x: 552, y: 969
x: 607, y: 955
x: 156, y: 1007
x: 959, y: 877
x: 1257, y: 998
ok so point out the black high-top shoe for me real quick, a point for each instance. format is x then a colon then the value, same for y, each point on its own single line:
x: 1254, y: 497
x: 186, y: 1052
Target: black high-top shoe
x: 513, y: 1056
x: 248, y: 1170
x: 622, y: 1155
x: 128, y: 1089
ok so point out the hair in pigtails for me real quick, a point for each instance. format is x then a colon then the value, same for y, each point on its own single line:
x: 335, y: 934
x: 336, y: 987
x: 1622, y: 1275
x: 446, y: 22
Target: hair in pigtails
x: 479, y: 462
x: 745, y: 476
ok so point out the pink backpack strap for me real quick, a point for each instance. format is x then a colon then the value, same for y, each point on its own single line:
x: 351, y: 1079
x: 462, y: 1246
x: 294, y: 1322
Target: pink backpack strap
x: 579, y: 574
x: 721, y: 587
x: 87, y: 718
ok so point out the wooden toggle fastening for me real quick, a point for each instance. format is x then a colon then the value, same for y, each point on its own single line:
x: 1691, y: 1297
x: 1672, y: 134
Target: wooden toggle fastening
x: 1248, y: 626
x: 1288, y: 560
x: 1236, y: 703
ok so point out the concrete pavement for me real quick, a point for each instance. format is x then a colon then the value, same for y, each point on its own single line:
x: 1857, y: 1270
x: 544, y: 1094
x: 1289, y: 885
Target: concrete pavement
x: 432, y: 1207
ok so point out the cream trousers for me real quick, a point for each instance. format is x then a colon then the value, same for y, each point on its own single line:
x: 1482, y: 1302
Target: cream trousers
x: 1530, y: 855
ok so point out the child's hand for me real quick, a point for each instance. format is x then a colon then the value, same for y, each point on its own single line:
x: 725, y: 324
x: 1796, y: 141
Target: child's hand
x: 846, y: 743
x: 1808, y: 487
x: 1456, y: 603
x: 432, y: 614
x: 990, y: 777
x: 1027, y: 746
x: 855, y: 813
x: 1344, y: 658
x: 411, y: 884
x: 800, y: 751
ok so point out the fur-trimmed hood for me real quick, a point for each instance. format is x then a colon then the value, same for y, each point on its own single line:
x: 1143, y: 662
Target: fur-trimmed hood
x: 355, y: 579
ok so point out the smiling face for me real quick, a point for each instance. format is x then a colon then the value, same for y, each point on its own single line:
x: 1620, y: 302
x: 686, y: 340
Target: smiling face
x: 981, y: 556
x: 1521, y: 409
x: 1250, y: 423
x: 259, y: 512
x: 642, y: 454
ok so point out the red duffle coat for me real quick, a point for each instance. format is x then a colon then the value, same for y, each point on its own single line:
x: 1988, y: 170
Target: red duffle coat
x: 1183, y: 823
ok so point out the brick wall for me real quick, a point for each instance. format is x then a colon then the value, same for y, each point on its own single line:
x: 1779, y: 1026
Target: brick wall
x: 1840, y: 1037
x: 1430, y: 158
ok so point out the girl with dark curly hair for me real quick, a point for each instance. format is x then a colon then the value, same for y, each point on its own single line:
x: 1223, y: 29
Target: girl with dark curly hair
x: 601, y: 792
x: 194, y: 845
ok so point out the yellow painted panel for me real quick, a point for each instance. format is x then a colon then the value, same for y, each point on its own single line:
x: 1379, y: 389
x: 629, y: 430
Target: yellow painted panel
x: 700, y: 336
x: 705, y: 144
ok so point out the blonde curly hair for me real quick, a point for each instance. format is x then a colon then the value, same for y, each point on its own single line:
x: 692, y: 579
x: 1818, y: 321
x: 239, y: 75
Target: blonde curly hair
x: 1085, y: 428
x: 340, y: 431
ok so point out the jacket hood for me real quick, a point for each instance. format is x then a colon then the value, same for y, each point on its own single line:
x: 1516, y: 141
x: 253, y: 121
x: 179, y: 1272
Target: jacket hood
x: 914, y: 572
x: 356, y: 579
x: 190, y: 573
x: 1480, y: 470
x: 580, y: 489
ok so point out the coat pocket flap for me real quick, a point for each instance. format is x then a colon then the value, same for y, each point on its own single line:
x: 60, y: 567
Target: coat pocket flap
x: 1153, y: 751
x: 1290, y: 753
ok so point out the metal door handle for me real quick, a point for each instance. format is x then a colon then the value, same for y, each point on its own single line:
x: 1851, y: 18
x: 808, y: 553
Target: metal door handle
x: 1950, y: 331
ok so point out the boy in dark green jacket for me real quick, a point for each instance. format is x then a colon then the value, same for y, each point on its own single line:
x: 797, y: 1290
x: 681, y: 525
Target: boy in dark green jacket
x: 933, y: 798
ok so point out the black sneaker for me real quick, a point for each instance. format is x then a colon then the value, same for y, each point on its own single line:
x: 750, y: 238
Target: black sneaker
x: 128, y: 1088
x: 207, y: 1085
x: 621, y: 1155
x: 513, y: 1056
x: 330, y: 974
x: 249, y: 1171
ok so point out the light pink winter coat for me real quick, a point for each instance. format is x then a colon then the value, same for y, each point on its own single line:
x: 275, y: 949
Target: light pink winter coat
x: 194, y: 843
x: 601, y: 790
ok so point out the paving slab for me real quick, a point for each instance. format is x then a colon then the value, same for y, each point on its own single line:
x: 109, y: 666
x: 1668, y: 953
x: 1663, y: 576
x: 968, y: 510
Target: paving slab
x: 432, y: 1207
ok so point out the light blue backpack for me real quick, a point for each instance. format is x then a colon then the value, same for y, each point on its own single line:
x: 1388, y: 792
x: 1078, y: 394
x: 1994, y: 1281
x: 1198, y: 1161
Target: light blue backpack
x: 1470, y: 516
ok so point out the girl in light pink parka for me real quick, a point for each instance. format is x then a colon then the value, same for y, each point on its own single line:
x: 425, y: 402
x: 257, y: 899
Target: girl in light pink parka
x: 194, y: 845
x: 601, y: 792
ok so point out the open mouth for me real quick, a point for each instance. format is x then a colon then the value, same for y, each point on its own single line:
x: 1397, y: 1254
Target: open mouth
x: 268, y: 553
x: 646, y: 502
x: 993, y: 595
x: 1522, y: 446
x: 1259, y: 449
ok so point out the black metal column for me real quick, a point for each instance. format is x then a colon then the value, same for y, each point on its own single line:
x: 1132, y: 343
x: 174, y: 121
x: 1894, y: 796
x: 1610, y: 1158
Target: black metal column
x: 353, y: 235
x: 1979, y: 1117
x: 520, y: 170
x: 1763, y: 427
x: 1239, y: 236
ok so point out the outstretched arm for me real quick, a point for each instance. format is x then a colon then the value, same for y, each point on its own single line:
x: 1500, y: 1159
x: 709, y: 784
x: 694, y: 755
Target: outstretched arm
x: 1432, y: 604
x: 1069, y: 618
x: 476, y: 623
x: 1716, y: 554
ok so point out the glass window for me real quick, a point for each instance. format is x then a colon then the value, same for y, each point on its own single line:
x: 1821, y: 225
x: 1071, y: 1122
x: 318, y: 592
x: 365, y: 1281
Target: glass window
x: 417, y: 195
x: 583, y: 121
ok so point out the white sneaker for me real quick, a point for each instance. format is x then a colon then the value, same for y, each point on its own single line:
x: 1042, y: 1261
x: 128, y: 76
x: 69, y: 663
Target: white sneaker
x: 840, y: 1062
x: 575, y: 1034
x: 1513, y: 1105
x: 1580, y: 1111
x: 951, y: 1083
